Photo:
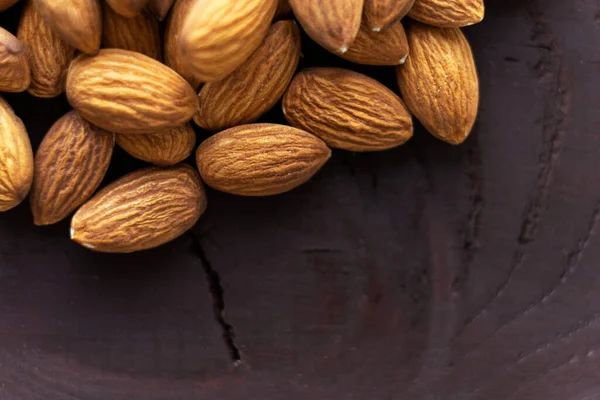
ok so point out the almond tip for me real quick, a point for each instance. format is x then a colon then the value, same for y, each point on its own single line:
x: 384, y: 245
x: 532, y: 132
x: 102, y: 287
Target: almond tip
x: 403, y: 59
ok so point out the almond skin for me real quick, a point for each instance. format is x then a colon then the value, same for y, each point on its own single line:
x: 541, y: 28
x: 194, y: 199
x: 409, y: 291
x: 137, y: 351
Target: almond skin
x: 128, y: 8
x: 126, y: 92
x: 218, y: 36
x: 16, y: 159
x: 439, y: 82
x: 332, y: 23
x: 284, y: 9
x: 165, y: 148
x: 139, y: 33
x: 142, y: 210
x: 160, y: 8
x: 78, y: 22
x: 382, y: 13
x: 49, y: 55
x: 15, y: 74
x: 260, y: 159
x: 5, y: 4
x: 265, y: 76
x: 386, y: 47
x: 348, y: 110
x: 448, y: 13
x: 181, y: 8
x: 69, y: 166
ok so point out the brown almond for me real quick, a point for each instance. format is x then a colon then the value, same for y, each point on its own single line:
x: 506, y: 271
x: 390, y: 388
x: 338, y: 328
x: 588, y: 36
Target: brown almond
x: 332, y: 23
x: 5, y: 4
x: 263, y: 77
x: 439, y: 82
x: 16, y: 159
x: 140, y: 33
x: 218, y: 36
x: 49, y: 55
x: 382, y: 13
x: 127, y: 92
x: 128, y: 8
x: 260, y: 159
x: 142, y: 210
x: 160, y: 8
x: 69, y: 166
x: 15, y: 74
x: 173, y: 59
x: 284, y: 9
x: 164, y: 148
x: 347, y: 110
x: 448, y: 13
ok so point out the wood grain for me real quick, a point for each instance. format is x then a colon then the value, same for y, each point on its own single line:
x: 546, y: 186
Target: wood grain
x: 15, y: 73
x: 140, y: 33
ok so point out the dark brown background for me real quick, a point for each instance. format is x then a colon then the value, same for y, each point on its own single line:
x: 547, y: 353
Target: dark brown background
x: 425, y: 272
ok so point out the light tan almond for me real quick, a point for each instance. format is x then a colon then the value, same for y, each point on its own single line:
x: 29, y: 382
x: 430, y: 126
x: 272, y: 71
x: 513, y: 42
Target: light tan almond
x: 127, y: 92
x: 15, y: 74
x: 382, y: 13
x: 218, y: 36
x: 16, y: 159
x: 128, y: 8
x: 5, y: 4
x: 347, y: 110
x: 139, y: 33
x: 255, y: 87
x: 164, y: 148
x: 160, y: 8
x: 49, y: 56
x: 260, y: 159
x: 77, y: 22
x: 448, y: 13
x: 332, y: 23
x: 181, y: 8
x: 142, y: 210
x: 284, y: 9
x: 69, y: 166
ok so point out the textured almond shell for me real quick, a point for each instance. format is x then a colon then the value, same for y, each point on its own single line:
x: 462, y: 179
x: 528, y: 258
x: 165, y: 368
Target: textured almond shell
x: 49, y: 56
x: 260, y: 159
x: 332, y: 23
x: 139, y: 33
x: 448, y: 13
x: 255, y: 87
x: 386, y: 47
x: 142, y: 210
x: 347, y: 110
x: 16, y: 159
x: 126, y: 92
x: 284, y: 9
x: 15, y: 74
x: 5, y: 4
x: 69, y: 166
x: 439, y: 82
x: 78, y: 22
x: 160, y: 8
x: 165, y: 148
x: 382, y: 13
x: 218, y: 36
x: 128, y: 8
x: 181, y: 8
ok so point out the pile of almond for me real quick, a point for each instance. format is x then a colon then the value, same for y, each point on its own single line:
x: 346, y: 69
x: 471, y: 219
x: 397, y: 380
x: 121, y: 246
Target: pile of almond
x: 222, y: 64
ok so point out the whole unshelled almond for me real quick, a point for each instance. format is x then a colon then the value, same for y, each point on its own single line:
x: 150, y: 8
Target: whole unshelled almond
x: 49, y: 55
x: 164, y: 148
x: 139, y: 33
x: 448, y: 13
x: 128, y: 8
x: 332, y: 23
x: 16, y: 159
x: 218, y: 36
x: 160, y: 8
x: 284, y: 9
x: 142, y: 210
x: 439, y: 81
x: 4, y: 4
x: 15, y: 74
x: 264, y: 76
x: 382, y: 13
x: 69, y: 166
x: 173, y: 59
x: 347, y: 110
x: 260, y: 159
x: 78, y: 22
x: 127, y: 92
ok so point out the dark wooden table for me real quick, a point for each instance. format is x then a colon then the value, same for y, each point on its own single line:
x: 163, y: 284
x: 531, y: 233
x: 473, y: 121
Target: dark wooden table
x: 426, y: 272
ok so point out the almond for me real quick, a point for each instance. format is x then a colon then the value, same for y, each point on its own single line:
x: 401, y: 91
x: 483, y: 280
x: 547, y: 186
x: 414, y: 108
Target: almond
x: 15, y: 74
x: 332, y: 23
x: 218, y: 36
x: 78, y: 22
x: 69, y: 166
x: 264, y: 77
x: 181, y: 8
x: 439, y: 82
x: 260, y: 159
x: 284, y: 9
x: 347, y: 110
x: 160, y: 8
x: 142, y: 210
x: 49, y: 55
x: 16, y: 159
x: 139, y: 33
x: 382, y: 13
x: 164, y: 148
x: 386, y: 47
x: 5, y: 4
x: 448, y: 13
x: 128, y: 8
x: 127, y: 92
